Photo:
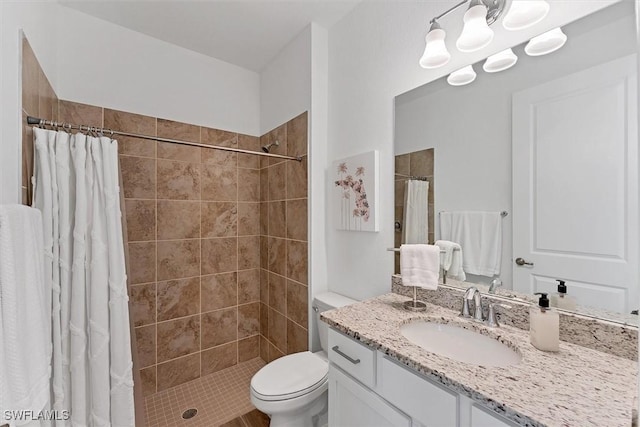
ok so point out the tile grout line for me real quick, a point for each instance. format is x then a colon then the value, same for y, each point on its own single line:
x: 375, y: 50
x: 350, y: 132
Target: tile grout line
x: 237, y: 258
x: 200, y: 256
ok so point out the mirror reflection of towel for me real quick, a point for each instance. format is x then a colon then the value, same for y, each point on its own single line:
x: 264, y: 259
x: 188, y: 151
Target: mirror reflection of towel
x: 416, y: 213
x: 451, y: 259
x: 480, y: 235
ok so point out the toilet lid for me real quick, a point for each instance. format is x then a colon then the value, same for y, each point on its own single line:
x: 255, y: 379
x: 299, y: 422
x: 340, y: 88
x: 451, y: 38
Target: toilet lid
x: 290, y: 376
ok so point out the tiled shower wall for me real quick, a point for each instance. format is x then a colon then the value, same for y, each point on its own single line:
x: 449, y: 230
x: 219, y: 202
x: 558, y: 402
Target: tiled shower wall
x: 417, y: 163
x: 38, y: 100
x: 284, y: 243
x: 217, y: 240
x: 193, y: 223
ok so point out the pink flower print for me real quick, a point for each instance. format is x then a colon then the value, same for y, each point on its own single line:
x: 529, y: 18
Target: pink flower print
x: 348, y: 184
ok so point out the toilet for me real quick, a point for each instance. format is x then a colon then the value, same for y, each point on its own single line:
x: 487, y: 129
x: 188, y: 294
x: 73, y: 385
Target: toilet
x: 292, y: 390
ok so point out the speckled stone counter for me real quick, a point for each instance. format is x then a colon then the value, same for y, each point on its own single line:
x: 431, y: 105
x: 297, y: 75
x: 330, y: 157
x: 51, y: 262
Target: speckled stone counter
x: 615, y: 338
x: 576, y: 387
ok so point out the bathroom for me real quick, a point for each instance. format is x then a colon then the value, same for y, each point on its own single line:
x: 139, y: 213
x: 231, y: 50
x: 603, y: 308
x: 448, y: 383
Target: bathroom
x: 226, y: 250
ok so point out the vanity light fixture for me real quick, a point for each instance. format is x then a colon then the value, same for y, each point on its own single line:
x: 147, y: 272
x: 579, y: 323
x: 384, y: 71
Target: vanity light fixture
x: 435, y: 52
x: 524, y: 14
x: 546, y: 43
x: 476, y: 33
x: 500, y: 61
x: 462, y: 77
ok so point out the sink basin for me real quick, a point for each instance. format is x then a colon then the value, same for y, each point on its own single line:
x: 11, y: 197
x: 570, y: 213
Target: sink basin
x: 460, y: 344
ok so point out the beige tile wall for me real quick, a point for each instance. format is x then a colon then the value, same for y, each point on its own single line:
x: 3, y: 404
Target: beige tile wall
x: 193, y: 222
x: 217, y: 240
x: 417, y: 163
x: 39, y: 100
x: 283, y: 240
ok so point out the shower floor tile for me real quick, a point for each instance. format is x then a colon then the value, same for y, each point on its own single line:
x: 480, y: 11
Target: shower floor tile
x: 219, y: 398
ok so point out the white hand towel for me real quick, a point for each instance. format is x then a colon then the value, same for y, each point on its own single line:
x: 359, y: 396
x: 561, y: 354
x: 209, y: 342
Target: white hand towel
x: 25, y: 309
x: 416, y: 214
x: 480, y: 235
x: 420, y: 265
x: 451, y: 259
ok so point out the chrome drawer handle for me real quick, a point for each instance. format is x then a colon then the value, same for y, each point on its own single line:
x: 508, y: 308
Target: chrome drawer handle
x: 350, y: 359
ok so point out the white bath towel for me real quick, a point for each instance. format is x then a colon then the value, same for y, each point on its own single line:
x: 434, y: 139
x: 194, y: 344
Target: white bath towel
x: 25, y: 313
x: 451, y: 259
x: 416, y: 214
x: 480, y: 235
x: 420, y: 265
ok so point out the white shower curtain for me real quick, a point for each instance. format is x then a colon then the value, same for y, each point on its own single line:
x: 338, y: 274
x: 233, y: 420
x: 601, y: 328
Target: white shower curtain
x: 76, y: 188
x: 416, y: 214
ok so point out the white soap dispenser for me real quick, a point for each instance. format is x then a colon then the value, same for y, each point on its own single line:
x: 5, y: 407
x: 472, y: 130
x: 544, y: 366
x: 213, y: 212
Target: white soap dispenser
x: 561, y: 299
x: 544, y: 325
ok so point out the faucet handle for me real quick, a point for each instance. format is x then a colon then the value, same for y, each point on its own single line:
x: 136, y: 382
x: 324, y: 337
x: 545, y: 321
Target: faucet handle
x: 465, y: 312
x: 492, y: 318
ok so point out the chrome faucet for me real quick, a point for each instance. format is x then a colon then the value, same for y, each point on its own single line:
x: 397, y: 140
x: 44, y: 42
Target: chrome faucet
x: 492, y: 318
x: 495, y: 283
x: 472, y: 293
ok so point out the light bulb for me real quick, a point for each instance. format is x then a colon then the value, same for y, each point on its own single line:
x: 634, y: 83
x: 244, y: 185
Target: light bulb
x: 462, y: 77
x: 525, y: 13
x: 435, y: 52
x: 476, y: 33
x: 500, y: 61
x: 546, y: 43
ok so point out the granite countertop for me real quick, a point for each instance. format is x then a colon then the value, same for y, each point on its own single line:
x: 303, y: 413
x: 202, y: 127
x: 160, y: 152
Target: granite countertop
x: 574, y: 387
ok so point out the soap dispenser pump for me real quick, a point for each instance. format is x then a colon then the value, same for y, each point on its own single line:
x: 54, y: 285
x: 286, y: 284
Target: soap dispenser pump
x: 544, y: 325
x: 561, y: 299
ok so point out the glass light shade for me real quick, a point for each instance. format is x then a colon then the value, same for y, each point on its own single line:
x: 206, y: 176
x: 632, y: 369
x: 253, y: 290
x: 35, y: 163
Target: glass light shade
x: 500, y: 61
x: 476, y: 34
x: 435, y: 52
x: 525, y: 13
x: 462, y: 77
x: 546, y: 43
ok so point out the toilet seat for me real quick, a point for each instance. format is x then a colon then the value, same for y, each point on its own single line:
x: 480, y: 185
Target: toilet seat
x: 289, y: 377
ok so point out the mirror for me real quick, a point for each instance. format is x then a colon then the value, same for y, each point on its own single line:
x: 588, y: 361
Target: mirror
x: 551, y: 141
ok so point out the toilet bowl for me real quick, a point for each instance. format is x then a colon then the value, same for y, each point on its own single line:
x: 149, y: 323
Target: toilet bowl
x: 292, y: 390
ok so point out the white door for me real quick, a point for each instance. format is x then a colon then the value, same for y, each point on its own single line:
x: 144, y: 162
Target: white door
x: 575, y: 178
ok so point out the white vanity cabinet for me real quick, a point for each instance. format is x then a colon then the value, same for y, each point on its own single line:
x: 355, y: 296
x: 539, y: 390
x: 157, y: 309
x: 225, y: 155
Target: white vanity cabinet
x: 369, y: 389
x: 353, y: 405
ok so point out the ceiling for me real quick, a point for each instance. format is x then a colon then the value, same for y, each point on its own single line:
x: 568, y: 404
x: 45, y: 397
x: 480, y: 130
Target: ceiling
x: 248, y: 33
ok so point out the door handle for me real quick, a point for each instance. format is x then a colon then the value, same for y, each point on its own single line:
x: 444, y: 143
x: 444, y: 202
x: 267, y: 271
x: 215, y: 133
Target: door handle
x: 521, y: 261
x: 346, y: 356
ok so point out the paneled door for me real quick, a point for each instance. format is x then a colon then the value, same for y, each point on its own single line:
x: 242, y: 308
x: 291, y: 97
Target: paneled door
x: 575, y: 186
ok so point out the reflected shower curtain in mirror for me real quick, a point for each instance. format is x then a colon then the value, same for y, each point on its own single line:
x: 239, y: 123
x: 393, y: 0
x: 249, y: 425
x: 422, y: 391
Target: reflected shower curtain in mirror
x: 416, y: 214
x: 76, y: 188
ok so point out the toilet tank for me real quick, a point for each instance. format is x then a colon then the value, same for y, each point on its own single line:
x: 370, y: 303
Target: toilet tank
x: 323, y: 302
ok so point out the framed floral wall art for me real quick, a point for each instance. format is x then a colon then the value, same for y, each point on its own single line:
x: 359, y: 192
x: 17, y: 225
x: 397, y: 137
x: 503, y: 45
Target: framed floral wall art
x: 355, y: 192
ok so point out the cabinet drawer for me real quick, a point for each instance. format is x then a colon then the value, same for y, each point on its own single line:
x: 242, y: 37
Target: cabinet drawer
x: 481, y: 417
x: 422, y: 400
x: 354, y: 358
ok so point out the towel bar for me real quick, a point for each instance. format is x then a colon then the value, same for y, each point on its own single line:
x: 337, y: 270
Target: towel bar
x: 398, y: 250
x: 502, y: 213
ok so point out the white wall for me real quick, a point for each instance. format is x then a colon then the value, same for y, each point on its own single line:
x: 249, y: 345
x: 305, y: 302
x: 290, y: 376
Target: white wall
x: 470, y: 127
x: 373, y: 56
x: 104, y: 64
x: 317, y: 160
x: 285, y: 83
x: 35, y: 20
x: 294, y: 82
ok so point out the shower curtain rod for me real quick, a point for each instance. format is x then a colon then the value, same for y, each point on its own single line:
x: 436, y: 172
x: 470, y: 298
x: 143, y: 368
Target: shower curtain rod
x: 41, y: 122
x: 412, y: 177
